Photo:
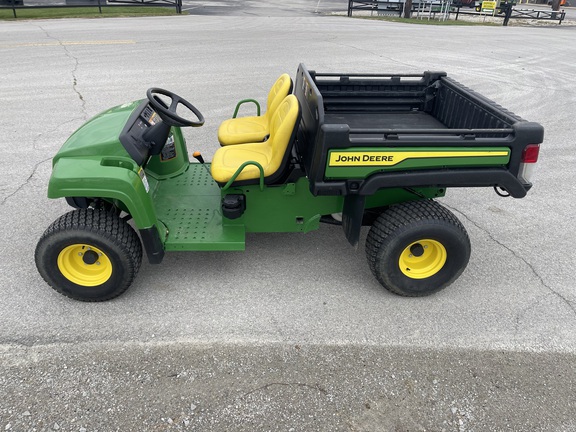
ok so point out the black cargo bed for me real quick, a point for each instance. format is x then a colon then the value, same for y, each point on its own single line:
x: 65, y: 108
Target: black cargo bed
x: 385, y: 120
x: 345, y: 111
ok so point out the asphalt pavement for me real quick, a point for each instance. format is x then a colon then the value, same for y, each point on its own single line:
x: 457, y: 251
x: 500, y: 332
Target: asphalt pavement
x: 293, y: 334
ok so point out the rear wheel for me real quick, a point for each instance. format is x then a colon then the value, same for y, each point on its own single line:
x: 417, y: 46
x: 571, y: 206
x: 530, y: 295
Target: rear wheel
x: 89, y: 255
x: 417, y: 248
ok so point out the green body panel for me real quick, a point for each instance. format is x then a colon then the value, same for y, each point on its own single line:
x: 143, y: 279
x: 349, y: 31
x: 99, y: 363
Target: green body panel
x: 93, y: 163
x: 115, y: 179
x: 293, y: 208
x: 284, y: 208
x: 360, y: 162
x: 182, y: 200
x: 172, y: 164
x: 188, y: 206
x: 99, y: 136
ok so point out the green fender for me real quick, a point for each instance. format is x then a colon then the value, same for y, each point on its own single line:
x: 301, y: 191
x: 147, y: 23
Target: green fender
x: 114, y: 178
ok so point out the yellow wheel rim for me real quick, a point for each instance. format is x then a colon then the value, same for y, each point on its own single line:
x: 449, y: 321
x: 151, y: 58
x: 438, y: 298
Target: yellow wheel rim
x: 84, y: 265
x: 422, y: 259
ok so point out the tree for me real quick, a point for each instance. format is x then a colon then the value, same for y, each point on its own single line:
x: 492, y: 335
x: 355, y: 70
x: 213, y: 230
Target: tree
x: 408, y: 8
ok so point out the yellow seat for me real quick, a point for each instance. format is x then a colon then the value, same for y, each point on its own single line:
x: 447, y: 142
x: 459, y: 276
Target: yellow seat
x: 271, y: 155
x: 239, y: 130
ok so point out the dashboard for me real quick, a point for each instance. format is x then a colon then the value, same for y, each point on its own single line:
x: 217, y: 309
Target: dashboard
x: 131, y: 137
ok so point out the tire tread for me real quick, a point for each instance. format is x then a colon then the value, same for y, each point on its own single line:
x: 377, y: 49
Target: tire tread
x: 102, y: 223
x: 395, y: 218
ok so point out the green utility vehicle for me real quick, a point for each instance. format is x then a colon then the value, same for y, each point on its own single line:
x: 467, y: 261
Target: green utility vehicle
x: 345, y: 149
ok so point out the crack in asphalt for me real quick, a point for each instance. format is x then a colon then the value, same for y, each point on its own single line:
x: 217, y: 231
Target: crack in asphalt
x: 54, y: 129
x: 533, y: 304
x: 278, y: 328
x: 333, y: 41
x: 316, y: 387
x: 37, y: 138
x: 74, y: 70
x: 35, y: 168
x: 530, y: 266
x: 19, y: 188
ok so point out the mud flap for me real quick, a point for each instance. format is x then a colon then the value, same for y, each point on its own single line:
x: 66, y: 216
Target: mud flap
x: 352, y: 216
x: 152, y: 245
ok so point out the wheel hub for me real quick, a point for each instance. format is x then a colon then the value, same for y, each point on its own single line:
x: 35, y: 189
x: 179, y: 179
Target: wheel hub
x: 422, y: 259
x: 417, y: 250
x: 90, y: 257
x: 84, y: 265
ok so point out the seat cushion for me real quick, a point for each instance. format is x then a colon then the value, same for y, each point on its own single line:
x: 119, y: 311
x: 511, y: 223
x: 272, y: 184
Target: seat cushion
x: 269, y: 154
x: 243, y: 130
x: 227, y: 160
x: 280, y: 89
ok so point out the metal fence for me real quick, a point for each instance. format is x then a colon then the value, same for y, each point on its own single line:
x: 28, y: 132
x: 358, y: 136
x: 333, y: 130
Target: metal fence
x: 443, y: 9
x: 539, y: 15
x: 420, y: 9
x: 16, y: 5
x: 512, y: 13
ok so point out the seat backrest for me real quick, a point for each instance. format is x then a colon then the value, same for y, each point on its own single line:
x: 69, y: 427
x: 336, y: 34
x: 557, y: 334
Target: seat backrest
x: 281, y: 88
x: 282, y: 127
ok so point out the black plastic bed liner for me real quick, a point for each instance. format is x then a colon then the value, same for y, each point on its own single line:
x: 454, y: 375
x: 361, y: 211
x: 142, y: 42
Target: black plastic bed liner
x: 346, y: 111
x: 385, y: 120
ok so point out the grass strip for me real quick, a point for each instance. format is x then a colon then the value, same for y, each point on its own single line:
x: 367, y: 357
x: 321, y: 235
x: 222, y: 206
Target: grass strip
x: 86, y: 12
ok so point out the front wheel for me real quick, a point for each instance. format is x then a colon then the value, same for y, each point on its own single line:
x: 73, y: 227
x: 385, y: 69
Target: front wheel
x: 89, y: 255
x: 417, y: 248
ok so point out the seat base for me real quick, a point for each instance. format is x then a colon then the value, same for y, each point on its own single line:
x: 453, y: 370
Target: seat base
x: 243, y: 130
x: 265, y: 159
x: 227, y: 161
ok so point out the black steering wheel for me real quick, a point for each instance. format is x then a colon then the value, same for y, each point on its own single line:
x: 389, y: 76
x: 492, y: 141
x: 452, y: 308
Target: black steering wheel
x: 168, y: 113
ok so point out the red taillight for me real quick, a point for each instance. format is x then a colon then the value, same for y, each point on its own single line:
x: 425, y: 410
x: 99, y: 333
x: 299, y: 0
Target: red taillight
x: 530, y: 153
x: 529, y: 158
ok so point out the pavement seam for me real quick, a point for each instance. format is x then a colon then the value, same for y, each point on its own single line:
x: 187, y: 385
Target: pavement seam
x: 13, y: 348
x: 74, y: 70
x: 316, y: 387
x: 516, y: 255
x: 54, y: 129
x: 19, y: 188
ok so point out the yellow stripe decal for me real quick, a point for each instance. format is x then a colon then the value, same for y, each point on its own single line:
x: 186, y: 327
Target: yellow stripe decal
x: 391, y: 158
